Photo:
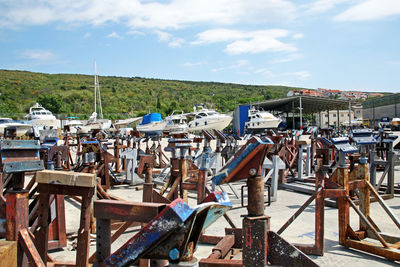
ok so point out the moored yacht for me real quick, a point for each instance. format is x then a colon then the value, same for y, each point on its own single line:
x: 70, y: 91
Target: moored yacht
x: 208, y: 119
x: 260, y: 119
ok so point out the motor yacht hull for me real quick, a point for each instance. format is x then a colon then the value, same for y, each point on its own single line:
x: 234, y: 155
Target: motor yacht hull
x: 210, y: 123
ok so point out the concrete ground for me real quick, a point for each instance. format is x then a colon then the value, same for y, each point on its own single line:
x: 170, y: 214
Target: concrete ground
x: 301, y: 231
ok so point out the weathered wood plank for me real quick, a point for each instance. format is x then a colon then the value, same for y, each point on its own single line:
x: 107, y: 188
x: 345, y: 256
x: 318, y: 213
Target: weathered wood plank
x: 66, y: 178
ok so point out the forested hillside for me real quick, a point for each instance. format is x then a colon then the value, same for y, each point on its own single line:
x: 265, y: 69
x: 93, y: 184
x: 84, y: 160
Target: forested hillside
x: 72, y: 94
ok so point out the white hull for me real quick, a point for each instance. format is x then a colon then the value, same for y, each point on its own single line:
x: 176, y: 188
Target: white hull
x: 157, y: 126
x: 264, y: 124
x: 48, y: 123
x: 94, y: 125
x: 22, y: 128
x: 219, y: 122
x: 176, y: 128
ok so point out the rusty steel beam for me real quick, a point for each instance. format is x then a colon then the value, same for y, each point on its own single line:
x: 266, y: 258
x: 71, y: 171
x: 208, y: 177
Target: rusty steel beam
x: 380, y: 238
x: 210, y: 239
x: 29, y: 248
x: 220, y: 262
x: 126, y: 211
x: 391, y: 254
x: 299, y: 211
x: 223, y: 247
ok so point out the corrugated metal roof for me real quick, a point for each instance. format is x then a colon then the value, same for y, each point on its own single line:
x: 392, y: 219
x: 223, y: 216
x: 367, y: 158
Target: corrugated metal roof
x: 310, y: 104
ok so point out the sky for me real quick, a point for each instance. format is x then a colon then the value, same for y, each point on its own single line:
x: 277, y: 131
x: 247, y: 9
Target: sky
x: 335, y: 44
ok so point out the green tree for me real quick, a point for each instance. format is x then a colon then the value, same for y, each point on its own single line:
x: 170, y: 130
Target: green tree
x: 51, y: 102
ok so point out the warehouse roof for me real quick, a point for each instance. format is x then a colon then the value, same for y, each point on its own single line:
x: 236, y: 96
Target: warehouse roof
x: 310, y: 104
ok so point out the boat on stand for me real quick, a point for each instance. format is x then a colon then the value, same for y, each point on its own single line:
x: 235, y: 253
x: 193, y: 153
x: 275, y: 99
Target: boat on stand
x: 260, y: 120
x: 152, y: 124
x: 176, y: 123
x: 208, y: 119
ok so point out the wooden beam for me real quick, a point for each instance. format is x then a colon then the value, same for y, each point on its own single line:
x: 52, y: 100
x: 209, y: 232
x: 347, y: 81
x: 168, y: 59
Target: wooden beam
x: 66, y: 178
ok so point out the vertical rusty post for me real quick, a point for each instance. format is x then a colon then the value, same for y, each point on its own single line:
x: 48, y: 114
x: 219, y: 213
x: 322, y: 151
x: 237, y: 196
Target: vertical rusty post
x: 255, y: 224
x: 255, y: 196
x: 17, y: 219
x: 58, y: 161
x: 82, y: 254
x: 106, y: 171
x: 364, y: 195
x: 201, y: 185
x: 116, y: 155
x: 319, y: 212
x: 103, y: 240
x: 148, y: 184
x: 42, y: 231
x: 183, y: 169
x: 343, y: 205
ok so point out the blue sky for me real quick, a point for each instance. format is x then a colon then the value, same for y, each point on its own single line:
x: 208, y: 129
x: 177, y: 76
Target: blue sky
x: 337, y: 44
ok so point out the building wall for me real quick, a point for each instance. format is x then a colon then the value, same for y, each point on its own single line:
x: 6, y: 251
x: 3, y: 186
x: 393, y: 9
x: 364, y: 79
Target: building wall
x: 376, y: 108
x: 333, y: 119
x: 374, y: 114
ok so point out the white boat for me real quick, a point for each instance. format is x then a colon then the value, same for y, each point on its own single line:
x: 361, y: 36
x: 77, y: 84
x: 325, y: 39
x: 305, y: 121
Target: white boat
x: 208, y: 119
x: 176, y: 123
x: 41, y: 117
x: 260, y: 119
x: 152, y: 124
x: 22, y: 128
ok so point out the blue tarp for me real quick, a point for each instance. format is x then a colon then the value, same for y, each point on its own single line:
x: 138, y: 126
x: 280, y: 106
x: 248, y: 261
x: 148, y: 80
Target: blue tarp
x: 149, y: 118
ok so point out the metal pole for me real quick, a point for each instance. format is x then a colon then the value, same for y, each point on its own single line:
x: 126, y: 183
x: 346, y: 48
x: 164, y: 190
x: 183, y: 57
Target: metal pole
x: 329, y: 123
x: 338, y: 119
x: 350, y: 114
x: 301, y: 113
x: 294, y: 124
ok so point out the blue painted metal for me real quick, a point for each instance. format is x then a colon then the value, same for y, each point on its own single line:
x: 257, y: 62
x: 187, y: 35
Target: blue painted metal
x: 20, y: 156
x: 19, y: 144
x: 363, y: 137
x: 342, y: 144
x: 168, y: 235
x: 240, y: 116
x: 23, y: 166
x: 232, y: 171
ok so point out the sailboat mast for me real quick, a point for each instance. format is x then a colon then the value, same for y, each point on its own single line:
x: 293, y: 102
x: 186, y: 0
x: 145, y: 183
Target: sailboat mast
x: 95, y: 86
x: 97, y: 91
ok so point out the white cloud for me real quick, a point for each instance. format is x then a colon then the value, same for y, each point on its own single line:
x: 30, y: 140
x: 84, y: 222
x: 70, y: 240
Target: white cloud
x: 300, y: 75
x: 370, y: 10
x: 176, y: 42
x: 87, y: 35
x: 297, y: 36
x: 297, y: 75
x: 163, y: 36
x: 135, y: 32
x: 287, y: 58
x: 193, y: 64
x: 237, y: 65
x: 36, y: 54
x: 145, y: 14
x: 114, y: 35
x: 167, y: 37
x: 241, y: 42
x: 321, y: 6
